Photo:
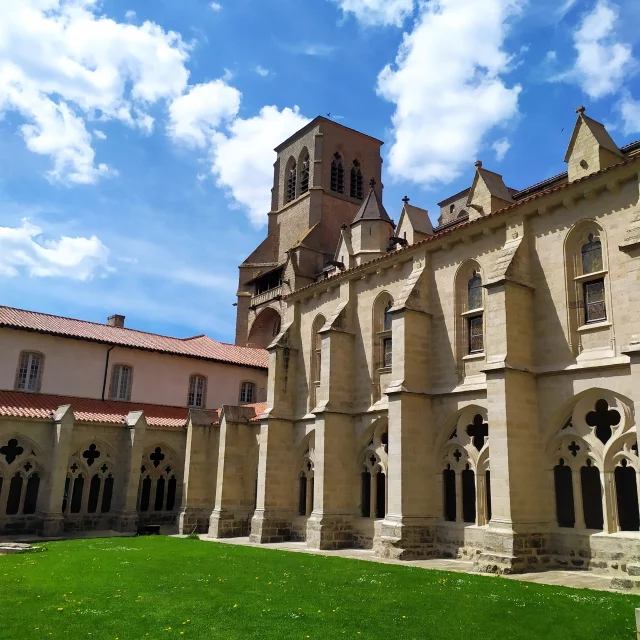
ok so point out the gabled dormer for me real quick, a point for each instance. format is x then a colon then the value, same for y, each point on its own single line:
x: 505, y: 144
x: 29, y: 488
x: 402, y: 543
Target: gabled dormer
x: 371, y: 228
x: 591, y: 148
x: 488, y: 193
x: 414, y: 224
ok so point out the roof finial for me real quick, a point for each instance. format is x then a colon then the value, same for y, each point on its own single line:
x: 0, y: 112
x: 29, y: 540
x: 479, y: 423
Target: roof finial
x: 372, y: 182
x: 478, y: 164
x: 405, y: 199
x: 580, y: 110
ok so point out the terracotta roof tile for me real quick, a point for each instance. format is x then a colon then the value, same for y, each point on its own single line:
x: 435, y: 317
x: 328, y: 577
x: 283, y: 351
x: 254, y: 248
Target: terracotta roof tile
x: 201, y: 347
x: 17, y: 404
x: 41, y: 406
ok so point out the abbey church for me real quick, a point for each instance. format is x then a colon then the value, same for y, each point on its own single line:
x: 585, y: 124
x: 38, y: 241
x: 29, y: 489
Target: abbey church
x: 467, y: 389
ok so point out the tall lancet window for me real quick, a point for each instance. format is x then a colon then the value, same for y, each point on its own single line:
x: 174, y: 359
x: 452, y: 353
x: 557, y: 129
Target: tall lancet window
x: 304, y: 174
x: 356, y: 181
x: 595, y: 309
x: 337, y: 174
x: 475, y: 314
x: 291, y: 181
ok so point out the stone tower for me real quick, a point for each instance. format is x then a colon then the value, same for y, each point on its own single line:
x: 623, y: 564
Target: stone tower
x: 321, y: 178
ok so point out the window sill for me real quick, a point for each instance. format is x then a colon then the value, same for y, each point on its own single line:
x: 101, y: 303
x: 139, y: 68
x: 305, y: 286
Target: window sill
x: 473, y: 312
x: 27, y: 390
x: 595, y: 275
x: 384, y: 369
x: 593, y: 326
x: 474, y: 356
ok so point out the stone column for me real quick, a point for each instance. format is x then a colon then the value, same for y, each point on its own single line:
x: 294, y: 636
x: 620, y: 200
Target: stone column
x: 633, y: 351
x: 50, y: 502
x: 126, y: 514
x: 234, y: 501
x: 408, y: 528
x: 271, y: 521
x: 330, y: 525
x: 576, y: 478
x: 517, y: 536
x: 199, y: 472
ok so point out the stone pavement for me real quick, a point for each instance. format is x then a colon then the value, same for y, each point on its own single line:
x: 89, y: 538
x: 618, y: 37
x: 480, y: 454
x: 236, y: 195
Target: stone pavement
x: 576, y: 579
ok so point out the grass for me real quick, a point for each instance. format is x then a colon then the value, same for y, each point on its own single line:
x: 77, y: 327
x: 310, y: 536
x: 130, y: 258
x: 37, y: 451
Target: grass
x: 170, y: 588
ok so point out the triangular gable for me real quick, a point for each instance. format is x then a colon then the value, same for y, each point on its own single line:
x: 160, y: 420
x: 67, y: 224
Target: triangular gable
x: 596, y: 130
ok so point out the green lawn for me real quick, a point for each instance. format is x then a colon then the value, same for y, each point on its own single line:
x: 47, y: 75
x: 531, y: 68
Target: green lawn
x: 169, y: 588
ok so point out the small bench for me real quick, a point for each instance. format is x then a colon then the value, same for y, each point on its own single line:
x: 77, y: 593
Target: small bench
x: 149, y: 530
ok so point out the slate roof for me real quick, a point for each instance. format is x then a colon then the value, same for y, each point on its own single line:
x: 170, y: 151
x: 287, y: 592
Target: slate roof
x: 41, y: 406
x: 463, y: 224
x: 419, y: 218
x: 201, y: 347
x: 372, y: 208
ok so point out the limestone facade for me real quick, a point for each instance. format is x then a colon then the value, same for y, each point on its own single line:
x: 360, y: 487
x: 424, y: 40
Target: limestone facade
x: 473, y: 393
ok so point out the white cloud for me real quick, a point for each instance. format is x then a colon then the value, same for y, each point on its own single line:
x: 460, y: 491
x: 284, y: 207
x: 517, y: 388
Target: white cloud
x: 23, y: 249
x: 130, y: 15
x: 602, y: 62
x: 315, y: 50
x: 63, y: 64
x: 101, y: 135
x: 261, y: 71
x: 630, y: 112
x: 501, y: 147
x: 378, y: 12
x: 565, y: 8
x: 195, y: 116
x: 216, y: 6
x: 447, y: 102
x: 242, y: 159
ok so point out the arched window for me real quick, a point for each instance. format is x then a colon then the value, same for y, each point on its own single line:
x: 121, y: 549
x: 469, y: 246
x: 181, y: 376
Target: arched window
x: 565, y: 511
x: 107, y: 494
x: 468, y: 495
x: 15, y: 494
x: 247, y: 393
x: 588, y: 288
x: 595, y: 308
x: 449, y: 493
x: 627, y: 497
x: 121, y: 379
x: 302, y: 494
x: 29, y: 375
x: 94, y: 493
x: 316, y: 358
x: 158, y: 488
x: 31, y: 494
x: 76, y: 494
x: 337, y: 174
x: 197, y: 391
x: 145, y: 494
x: 356, y: 187
x: 292, y: 175
x: 475, y: 314
x: 373, y: 475
x: 304, y: 172
x: 591, y: 496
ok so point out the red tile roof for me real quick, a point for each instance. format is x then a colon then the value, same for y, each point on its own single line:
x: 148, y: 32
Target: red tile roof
x: 201, y: 347
x: 41, y: 406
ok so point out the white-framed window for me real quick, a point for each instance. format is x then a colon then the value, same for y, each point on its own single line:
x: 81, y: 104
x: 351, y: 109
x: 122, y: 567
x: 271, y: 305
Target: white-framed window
x: 29, y: 371
x: 121, y: 379
x: 197, y: 391
x: 247, y: 393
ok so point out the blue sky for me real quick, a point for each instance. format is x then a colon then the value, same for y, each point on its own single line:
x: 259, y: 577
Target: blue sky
x: 136, y: 137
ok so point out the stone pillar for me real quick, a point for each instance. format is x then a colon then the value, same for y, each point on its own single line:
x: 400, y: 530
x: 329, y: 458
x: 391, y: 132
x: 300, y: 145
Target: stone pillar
x: 199, y: 472
x: 50, y: 502
x: 408, y: 528
x: 126, y: 514
x: 271, y: 521
x: 576, y: 479
x: 234, y: 500
x: 520, y: 499
x: 330, y: 525
x: 633, y: 351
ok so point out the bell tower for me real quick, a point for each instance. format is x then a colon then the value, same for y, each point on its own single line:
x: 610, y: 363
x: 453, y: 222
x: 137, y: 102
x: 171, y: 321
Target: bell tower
x: 319, y: 185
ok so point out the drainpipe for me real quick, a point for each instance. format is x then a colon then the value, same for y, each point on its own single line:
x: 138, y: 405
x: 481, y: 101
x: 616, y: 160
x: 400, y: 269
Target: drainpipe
x: 106, y: 370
